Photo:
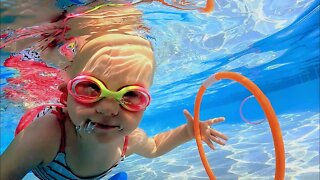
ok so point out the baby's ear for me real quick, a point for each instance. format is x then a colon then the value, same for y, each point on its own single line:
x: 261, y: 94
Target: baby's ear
x: 63, y: 87
x: 63, y: 98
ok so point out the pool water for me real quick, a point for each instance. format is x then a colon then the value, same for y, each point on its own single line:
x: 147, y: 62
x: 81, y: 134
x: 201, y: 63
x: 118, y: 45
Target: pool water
x: 275, y: 44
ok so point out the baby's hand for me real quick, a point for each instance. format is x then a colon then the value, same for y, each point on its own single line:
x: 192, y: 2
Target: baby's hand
x: 207, y: 133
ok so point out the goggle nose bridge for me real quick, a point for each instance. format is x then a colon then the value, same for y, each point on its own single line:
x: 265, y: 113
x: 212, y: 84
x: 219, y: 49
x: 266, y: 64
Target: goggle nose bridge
x: 116, y: 95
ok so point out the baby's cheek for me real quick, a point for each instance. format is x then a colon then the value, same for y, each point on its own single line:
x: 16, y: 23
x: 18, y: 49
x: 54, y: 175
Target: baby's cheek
x: 131, y: 120
x: 77, y: 110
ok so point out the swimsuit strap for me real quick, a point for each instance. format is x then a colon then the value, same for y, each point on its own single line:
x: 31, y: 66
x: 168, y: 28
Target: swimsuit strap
x: 125, y: 146
x: 61, y: 119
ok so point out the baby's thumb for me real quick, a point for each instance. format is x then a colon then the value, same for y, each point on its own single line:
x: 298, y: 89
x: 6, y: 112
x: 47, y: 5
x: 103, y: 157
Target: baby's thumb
x: 188, y: 116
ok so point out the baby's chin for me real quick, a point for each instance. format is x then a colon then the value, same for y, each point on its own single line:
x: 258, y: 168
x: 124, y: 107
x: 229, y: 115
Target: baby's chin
x: 104, y: 138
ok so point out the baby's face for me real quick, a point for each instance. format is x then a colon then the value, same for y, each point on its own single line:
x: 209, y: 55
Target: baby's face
x: 118, y: 61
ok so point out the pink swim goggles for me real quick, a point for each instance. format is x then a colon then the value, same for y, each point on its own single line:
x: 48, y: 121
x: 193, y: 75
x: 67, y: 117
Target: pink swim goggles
x: 88, y: 89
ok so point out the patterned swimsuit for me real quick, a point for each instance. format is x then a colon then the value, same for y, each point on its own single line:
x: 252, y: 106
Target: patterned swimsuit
x: 58, y: 168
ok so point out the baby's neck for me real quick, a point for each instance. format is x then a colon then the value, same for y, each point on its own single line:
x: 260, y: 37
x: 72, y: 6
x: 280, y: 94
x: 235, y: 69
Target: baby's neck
x: 86, y: 149
x: 88, y: 143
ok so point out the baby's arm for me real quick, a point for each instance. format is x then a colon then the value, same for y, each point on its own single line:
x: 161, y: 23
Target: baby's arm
x: 166, y: 141
x: 33, y: 146
x: 140, y: 143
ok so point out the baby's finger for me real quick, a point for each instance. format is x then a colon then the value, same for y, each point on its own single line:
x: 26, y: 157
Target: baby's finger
x: 217, y: 140
x: 218, y: 134
x: 210, y: 144
x: 216, y: 120
x: 188, y: 115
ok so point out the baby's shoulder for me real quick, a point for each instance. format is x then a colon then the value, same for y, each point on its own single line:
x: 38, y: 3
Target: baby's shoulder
x: 136, y: 139
x: 46, y: 129
x: 45, y: 123
x: 46, y: 120
x: 137, y: 134
x: 41, y: 138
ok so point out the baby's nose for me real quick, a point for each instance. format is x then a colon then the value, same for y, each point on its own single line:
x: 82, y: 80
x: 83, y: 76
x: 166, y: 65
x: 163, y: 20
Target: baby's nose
x: 108, y: 106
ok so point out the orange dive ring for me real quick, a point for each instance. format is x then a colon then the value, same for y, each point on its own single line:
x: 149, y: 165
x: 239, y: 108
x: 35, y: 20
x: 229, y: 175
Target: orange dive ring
x: 268, y: 111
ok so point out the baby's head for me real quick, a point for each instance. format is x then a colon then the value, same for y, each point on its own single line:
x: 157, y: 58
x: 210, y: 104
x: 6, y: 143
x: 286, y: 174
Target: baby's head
x: 118, y: 65
x: 118, y: 61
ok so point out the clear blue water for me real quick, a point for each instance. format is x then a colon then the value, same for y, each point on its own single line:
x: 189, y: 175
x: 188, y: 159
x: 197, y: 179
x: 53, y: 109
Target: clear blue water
x: 275, y: 44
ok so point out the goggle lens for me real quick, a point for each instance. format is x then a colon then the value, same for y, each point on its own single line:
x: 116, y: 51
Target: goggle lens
x: 135, y: 99
x: 87, y: 90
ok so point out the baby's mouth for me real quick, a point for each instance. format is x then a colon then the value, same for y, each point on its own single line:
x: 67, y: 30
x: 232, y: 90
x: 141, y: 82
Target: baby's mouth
x: 105, y: 126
